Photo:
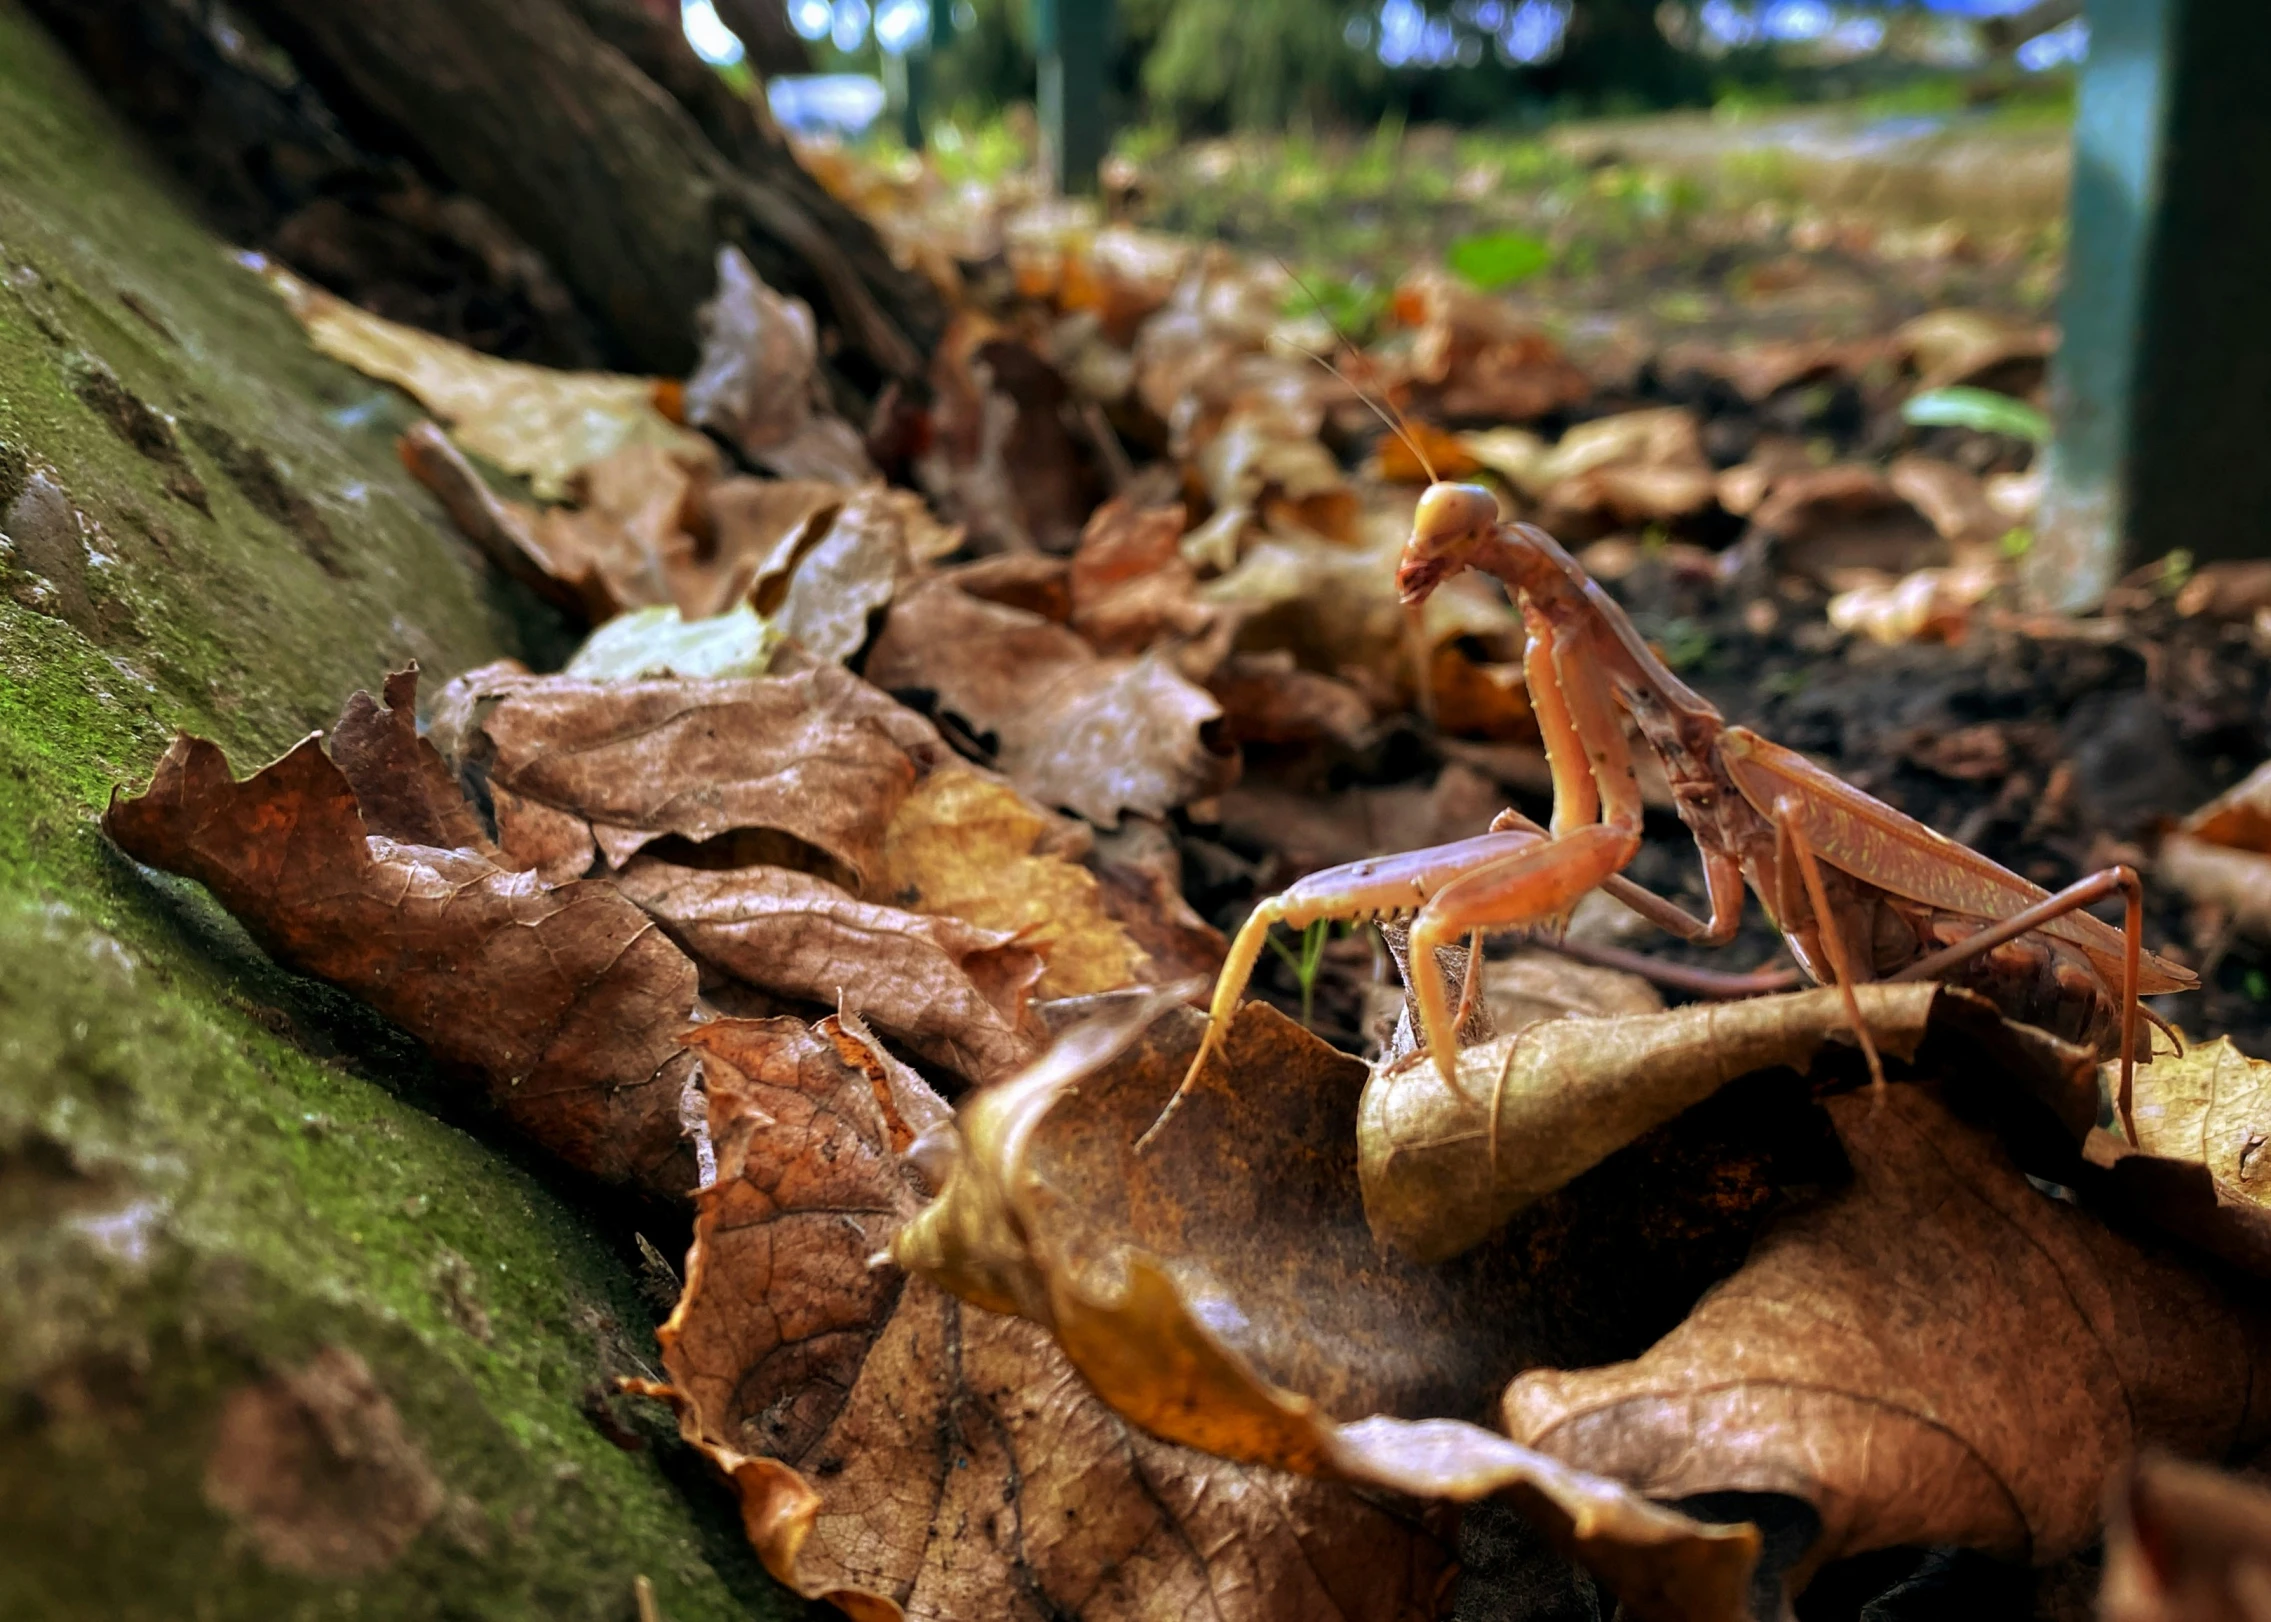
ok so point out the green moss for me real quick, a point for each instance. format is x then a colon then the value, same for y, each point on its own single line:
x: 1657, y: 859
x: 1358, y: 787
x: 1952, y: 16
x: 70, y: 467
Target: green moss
x: 209, y: 1170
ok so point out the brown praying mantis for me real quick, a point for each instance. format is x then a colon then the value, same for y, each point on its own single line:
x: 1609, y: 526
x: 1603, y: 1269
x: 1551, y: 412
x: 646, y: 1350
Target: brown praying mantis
x: 1858, y: 890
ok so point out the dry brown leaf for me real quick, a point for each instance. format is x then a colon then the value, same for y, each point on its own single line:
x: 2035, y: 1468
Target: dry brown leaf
x: 954, y: 993
x: 1265, y: 460
x: 565, y: 1000
x: 836, y: 587
x: 1002, y: 459
x: 1759, y: 371
x: 1220, y: 1289
x: 525, y: 419
x: 2186, y: 1544
x: 969, y: 847
x: 1267, y: 699
x: 1097, y: 736
x: 1974, y: 348
x: 1836, y: 519
x: 1474, y: 357
x: 900, y: 1454
x: 744, y: 539
x: 2201, y: 1166
x: 1953, y: 499
x: 820, y: 757
x: 1932, y: 604
x: 758, y: 381
x: 1938, y: 1354
x: 1129, y: 584
x: 1537, y: 1106
x: 1141, y: 871
x: 2221, y: 854
x: 508, y: 533
x: 2240, y: 817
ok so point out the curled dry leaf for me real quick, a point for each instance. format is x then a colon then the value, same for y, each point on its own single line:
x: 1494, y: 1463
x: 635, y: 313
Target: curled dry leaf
x: 835, y: 587
x: 1097, y: 736
x: 2221, y: 854
x: 758, y: 381
x: 954, y: 993
x: 655, y: 529
x: 1928, y: 604
x: 2186, y: 1544
x: 899, y: 1454
x: 1835, y: 519
x: 819, y: 757
x: 2201, y: 1166
x: 525, y: 419
x: 652, y: 643
x: 564, y: 999
x: 1002, y: 459
x: 1950, y: 347
x: 1541, y: 1103
x: 1221, y: 1287
x: 1937, y: 1354
x: 968, y: 847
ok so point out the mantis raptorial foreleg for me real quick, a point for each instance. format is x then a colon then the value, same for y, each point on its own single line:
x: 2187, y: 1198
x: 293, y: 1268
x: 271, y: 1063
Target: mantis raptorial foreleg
x: 1376, y: 887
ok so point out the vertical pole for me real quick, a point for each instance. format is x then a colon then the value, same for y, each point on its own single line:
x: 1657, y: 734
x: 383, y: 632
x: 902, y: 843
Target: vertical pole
x: 1073, y: 39
x: 2162, y: 384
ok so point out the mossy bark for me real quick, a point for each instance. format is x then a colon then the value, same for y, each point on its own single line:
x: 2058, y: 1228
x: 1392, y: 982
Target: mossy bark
x: 274, y: 1342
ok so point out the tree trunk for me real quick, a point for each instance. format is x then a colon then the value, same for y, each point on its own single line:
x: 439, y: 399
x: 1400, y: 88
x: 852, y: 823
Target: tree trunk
x: 595, y: 133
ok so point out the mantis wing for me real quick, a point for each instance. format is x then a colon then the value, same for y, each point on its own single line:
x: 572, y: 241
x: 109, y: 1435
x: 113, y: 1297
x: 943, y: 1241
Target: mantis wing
x: 1870, y: 840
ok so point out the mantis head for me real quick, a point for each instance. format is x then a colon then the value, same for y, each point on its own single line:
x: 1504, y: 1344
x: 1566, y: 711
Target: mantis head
x: 1452, y: 525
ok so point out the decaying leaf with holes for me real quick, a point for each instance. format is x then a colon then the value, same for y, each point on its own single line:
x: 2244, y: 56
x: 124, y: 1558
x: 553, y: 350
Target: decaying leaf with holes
x: 899, y: 1454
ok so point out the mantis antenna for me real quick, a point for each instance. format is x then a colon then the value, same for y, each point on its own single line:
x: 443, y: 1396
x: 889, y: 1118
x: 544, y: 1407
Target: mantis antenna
x: 1395, y: 423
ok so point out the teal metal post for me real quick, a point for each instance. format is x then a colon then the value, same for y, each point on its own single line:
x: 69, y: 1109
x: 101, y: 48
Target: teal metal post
x: 2162, y: 384
x: 1073, y: 38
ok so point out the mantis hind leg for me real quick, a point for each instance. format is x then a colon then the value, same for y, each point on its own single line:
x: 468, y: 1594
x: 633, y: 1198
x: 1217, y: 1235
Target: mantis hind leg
x: 2081, y: 893
x: 1790, y: 835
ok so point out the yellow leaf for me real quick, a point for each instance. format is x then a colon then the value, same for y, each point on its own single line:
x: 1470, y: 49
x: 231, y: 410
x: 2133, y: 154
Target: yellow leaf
x: 525, y: 419
x: 967, y: 846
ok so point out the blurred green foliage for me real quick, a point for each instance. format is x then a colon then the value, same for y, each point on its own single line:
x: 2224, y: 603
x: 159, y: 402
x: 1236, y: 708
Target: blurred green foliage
x: 1214, y: 65
x: 1495, y: 260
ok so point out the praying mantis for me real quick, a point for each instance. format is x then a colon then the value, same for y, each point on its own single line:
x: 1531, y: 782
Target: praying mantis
x: 1858, y: 890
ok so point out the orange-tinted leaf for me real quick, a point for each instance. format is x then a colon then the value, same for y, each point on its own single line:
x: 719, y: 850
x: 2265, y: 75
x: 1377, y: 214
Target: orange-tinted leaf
x: 973, y: 848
